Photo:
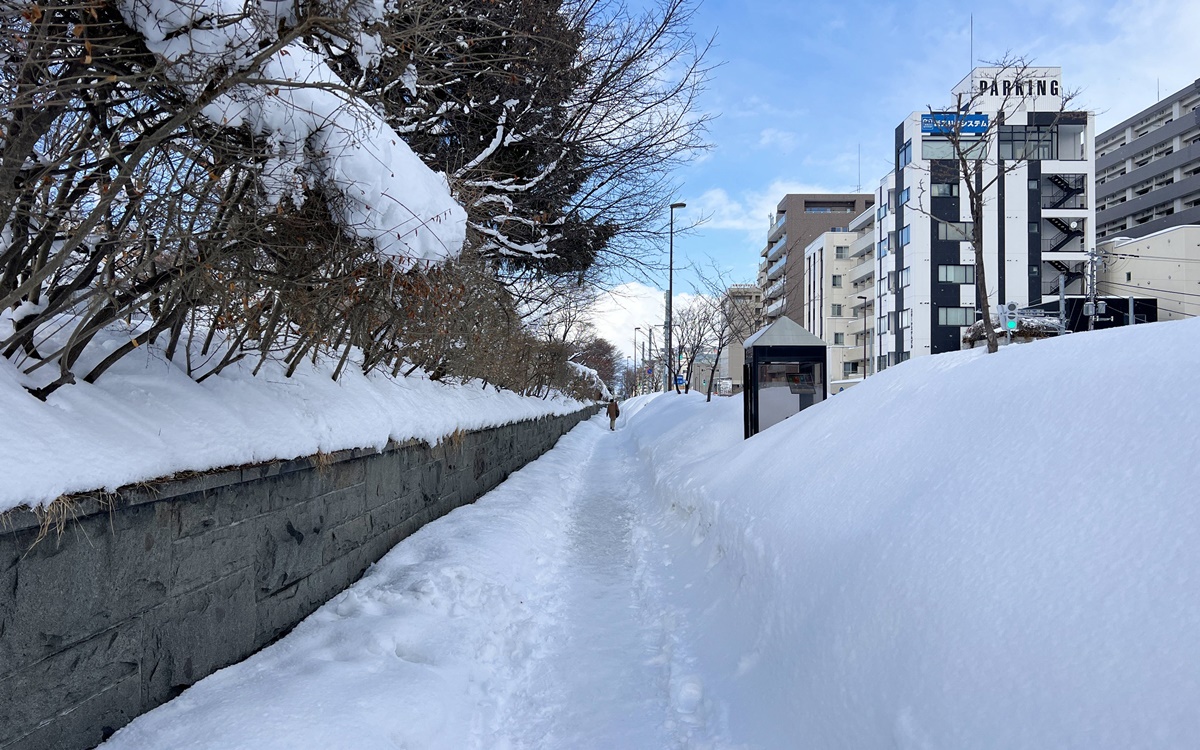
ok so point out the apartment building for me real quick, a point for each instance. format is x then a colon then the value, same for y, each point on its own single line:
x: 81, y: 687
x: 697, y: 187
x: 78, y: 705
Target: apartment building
x: 839, y: 298
x: 1148, y: 169
x: 1035, y: 163
x: 799, y: 219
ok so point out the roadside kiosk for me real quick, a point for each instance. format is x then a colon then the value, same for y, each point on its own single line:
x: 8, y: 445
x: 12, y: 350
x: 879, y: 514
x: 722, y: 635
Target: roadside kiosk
x: 784, y: 374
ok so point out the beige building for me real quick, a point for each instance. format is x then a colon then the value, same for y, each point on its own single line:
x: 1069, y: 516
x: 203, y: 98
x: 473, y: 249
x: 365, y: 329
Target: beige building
x: 746, y: 300
x: 1164, y: 265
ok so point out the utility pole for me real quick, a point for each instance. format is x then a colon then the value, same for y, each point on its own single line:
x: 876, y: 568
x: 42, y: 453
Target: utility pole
x: 1091, y: 306
x: 1062, y: 303
x: 636, y: 372
x: 668, y: 375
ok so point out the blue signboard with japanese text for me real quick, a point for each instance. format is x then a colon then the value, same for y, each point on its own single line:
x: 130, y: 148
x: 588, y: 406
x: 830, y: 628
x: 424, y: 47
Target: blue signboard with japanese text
x: 941, y: 123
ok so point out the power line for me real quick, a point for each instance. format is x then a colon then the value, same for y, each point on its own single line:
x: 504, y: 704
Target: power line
x: 1150, y: 289
x: 1152, y: 257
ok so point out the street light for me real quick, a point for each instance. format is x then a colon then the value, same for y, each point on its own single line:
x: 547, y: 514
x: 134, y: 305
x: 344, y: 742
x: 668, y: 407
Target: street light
x: 636, y: 373
x: 864, y: 299
x: 668, y: 375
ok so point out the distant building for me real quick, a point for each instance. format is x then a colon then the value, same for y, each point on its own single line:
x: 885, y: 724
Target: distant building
x: 1148, y: 169
x: 746, y: 301
x: 799, y: 219
x: 1164, y: 265
x: 1038, y: 212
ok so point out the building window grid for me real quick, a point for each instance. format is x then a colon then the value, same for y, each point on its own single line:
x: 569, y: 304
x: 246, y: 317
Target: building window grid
x: 956, y: 316
x: 956, y: 274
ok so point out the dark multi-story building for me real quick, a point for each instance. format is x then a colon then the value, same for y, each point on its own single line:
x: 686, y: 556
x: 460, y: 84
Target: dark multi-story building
x: 1148, y: 169
x: 800, y: 219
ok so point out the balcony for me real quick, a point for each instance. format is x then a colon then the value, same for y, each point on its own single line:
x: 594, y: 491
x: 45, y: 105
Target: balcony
x: 862, y: 271
x: 775, y: 249
x: 855, y: 326
x: 774, y: 290
x: 777, y: 227
x: 775, y: 309
x: 777, y: 270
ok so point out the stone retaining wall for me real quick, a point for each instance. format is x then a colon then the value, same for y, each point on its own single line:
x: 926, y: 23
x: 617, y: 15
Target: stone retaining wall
x: 146, y: 592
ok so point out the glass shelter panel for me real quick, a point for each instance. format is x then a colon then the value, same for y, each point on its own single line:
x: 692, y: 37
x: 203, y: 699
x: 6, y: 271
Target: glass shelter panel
x: 784, y: 388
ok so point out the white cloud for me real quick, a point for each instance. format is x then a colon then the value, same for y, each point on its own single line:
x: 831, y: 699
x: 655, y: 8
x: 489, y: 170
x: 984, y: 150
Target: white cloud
x: 633, y: 305
x: 751, y: 211
x: 778, y: 140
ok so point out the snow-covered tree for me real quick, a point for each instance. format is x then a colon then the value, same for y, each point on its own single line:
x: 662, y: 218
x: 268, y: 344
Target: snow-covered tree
x: 559, y: 121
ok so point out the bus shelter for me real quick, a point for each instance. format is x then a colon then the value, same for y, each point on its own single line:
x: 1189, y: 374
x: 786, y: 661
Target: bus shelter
x: 784, y: 374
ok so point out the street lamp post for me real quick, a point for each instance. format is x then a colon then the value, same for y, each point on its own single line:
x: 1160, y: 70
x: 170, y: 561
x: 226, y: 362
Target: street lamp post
x: 668, y: 374
x: 864, y: 299
x: 636, y: 373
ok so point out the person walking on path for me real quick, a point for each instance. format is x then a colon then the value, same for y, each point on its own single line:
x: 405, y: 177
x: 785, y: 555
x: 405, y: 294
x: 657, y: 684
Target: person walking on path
x: 613, y: 412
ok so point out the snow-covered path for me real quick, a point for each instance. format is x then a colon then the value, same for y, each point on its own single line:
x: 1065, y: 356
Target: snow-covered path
x: 536, y: 618
x: 606, y: 683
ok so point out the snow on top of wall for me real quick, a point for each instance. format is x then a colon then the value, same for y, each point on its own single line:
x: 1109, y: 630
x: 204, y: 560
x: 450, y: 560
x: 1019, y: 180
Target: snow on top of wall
x: 146, y: 419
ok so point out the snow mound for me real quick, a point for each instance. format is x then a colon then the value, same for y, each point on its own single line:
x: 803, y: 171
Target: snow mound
x: 965, y: 551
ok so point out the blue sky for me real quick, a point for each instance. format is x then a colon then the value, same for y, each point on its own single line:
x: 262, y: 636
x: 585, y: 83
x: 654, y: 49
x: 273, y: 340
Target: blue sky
x: 804, y: 87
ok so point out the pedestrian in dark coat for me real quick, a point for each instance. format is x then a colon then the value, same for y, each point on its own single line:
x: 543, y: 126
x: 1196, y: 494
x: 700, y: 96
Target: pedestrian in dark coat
x: 613, y: 413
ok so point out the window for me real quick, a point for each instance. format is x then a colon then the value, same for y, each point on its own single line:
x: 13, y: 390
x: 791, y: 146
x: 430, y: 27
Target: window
x: 849, y: 368
x: 883, y: 248
x: 956, y: 316
x: 1028, y: 142
x: 1033, y: 227
x: 944, y: 189
x: 839, y: 339
x: 904, y: 276
x: 1129, y: 276
x: 933, y: 149
x: 903, y: 197
x: 904, y: 157
x: 837, y: 280
x: 835, y: 311
x: 955, y: 231
x: 841, y: 252
x: 956, y: 274
x: 881, y: 212
x: 905, y: 235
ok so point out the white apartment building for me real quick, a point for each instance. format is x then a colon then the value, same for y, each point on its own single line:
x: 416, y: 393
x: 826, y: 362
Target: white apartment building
x: 839, y: 298
x: 1148, y: 168
x: 1036, y: 165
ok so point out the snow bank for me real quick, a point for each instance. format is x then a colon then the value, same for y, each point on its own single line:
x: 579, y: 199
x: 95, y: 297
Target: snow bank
x: 965, y: 551
x: 145, y: 419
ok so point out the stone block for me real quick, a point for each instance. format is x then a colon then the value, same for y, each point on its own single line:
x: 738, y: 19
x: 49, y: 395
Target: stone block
x: 290, y: 546
x: 346, y: 537
x: 196, y: 633
x: 201, y: 559
x: 74, y: 692
x: 99, y: 572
